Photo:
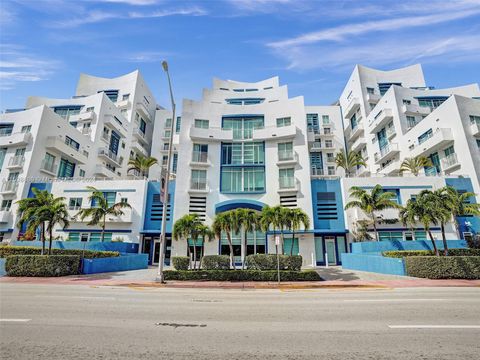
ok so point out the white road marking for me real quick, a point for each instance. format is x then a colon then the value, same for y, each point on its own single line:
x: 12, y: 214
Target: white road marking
x: 15, y: 320
x: 434, y: 326
x: 391, y: 300
x: 78, y: 297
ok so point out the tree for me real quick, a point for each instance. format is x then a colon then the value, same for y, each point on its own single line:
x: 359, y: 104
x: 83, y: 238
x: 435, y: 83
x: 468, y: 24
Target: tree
x: 207, y: 234
x: 100, y: 209
x: 459, y: 205
x: 360, y: 232
x: 141, y: 164
x: 372, y: 202
x: 271, y: 217
x: 294, y: 219
x: 28, y: 213
x: 349, y: 160
x: 248, y: 221
x: 54, y: 213
x: 225, y: 222
x: 188, y: 226
x: 414, y: 165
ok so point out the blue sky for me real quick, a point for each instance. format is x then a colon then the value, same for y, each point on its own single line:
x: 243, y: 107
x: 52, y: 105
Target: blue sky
x: 312, y: 45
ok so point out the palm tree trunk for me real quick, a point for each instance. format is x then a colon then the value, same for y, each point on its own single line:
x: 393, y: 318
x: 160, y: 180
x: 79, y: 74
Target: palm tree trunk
x: 457, y: 226
x: 375, y: 228
x: 50, y: 232
x: 293, y: 240
x: 433, y: 242
x: 189, y: 258
x: 202, y: 251
x: 244, y: 250
x: 445, y: 246
x: 103, y: 227
x: 230, y: 246
x: 42, y: 237
x: 194, y: 254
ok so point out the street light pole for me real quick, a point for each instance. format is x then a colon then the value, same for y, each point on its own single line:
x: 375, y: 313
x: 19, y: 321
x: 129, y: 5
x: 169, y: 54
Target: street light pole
x: 161, y: 260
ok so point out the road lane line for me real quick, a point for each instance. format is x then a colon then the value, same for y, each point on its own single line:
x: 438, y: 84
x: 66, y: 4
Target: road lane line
x: 77, y: 297
x: 434, y: 326
x: 391, y: 300
x: 15, y: 320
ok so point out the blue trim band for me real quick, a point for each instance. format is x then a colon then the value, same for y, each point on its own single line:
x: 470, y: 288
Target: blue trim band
x: 96, y: 230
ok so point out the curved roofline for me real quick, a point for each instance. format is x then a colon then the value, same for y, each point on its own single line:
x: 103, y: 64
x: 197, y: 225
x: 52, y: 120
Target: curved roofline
x: 136, y: 72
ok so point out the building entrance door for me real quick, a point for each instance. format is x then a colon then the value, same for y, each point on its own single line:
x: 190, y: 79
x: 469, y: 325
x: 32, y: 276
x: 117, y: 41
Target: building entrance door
x: 330, y: 250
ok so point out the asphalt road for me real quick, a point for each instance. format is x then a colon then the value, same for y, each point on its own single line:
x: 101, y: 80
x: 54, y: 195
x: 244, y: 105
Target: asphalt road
x: 84, y: 322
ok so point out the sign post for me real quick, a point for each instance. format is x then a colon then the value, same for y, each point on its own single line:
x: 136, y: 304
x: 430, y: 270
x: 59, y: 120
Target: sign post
x: 277, y: 244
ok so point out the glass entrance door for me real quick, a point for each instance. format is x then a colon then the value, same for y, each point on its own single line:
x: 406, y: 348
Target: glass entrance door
x: 330, y: 250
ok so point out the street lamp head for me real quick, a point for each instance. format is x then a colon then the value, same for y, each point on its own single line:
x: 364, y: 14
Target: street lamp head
x: 165, y: 65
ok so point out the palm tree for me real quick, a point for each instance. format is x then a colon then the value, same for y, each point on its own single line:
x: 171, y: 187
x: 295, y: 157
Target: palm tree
x: 459, y: 205
x: 349, y: 160
x: 207, y: 234
x: 272, y: 217
x: 141, y: 164
x: 296, y: 218
x: 248, y: 220
x: 225, y: 222
x: 28, y: 213
x: 54, y: 213
x: 371, y: 202
x: 100, y: 209
x: 188, y: 226
x: 414, y: 165
x: 360, y: 232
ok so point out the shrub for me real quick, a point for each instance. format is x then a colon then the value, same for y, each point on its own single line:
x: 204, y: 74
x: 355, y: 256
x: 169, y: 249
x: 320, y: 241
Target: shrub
x: 31, y: 250
x: 269, y: 262
x: 473, y: 242
x: 446, y: 267
x: 216, y: 262
x: 451, y: 252
x: 180, y: 262
x: 242, y: 275
x: 42, y: 265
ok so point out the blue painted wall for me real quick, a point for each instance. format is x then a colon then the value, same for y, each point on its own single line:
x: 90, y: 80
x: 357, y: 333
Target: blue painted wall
x: 98, y: 246
x: 320, y: 185
x: 373, y: 263
x: 377, y: 247
x: 122, y: 263
x: 465, y: 184
x: 154, y: 226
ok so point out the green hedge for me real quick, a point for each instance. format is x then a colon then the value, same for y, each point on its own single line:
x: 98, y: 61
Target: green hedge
x: 216, y: 262
x: 31, y: 250
x: 269, y: 262
x: 451, y: 252
x: 242, y: 275
x: 180, y: 262
x: 42, y: 265
x: 443, y: 267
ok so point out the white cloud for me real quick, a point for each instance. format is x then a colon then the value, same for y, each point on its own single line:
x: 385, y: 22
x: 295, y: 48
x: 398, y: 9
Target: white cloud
x: 146, y: 56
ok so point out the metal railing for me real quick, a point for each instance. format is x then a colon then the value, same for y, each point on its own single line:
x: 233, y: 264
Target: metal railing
x: 199, y: 157
x: 10, y: 186
x: 48, y: 166
x: 111, y: 155
x: 198, y: 184
x: 16, y: 160
x: 449, y: 161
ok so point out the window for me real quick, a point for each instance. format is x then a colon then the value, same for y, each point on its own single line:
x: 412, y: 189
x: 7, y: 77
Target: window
x: 383, y: 87
x: 312, y: 123
x: 243, y: 153
x: 6, y: 205
x: 245, y: 101
x: 67, y: 111
x: 286, y: 178
x: 199, y: 180
x: 242, y: 126
x: 331, y: 170
x: 166, y: 146
x: 478, y: 144
x: 168, y: 123
x: 406, y: 102
x: 167, y: 134
x: 411, y: 121
x: 111, y: 94
x: 3, y: 151
x: 255, y: 243
x: 425, y: 136
x: 26, y: 129
x: 285, y: 151
x: 390, y: 235
x: 201, y: 124
x: 90, y: 109
x: 72, y: 143
x: 474, y: 119
x: 243, y: 179
x: 125, y: 97
x: 174, y: 163
x: 178, y: 124
x: 48, y: 163
x: 328, y: 143
x: 75, y: 203
x: 124, y: 200
x: 327, y: 131
x: 20, y: 152
x: 82, y: 173
x: 325, y: 119
x: 284, y: 121
x: 236, y: 239
x: 200, y: 153
x: 66, y: 169
x: 370, y: 90
x: 330, y: 157
x: 431, y: 102
x: 142, y: 126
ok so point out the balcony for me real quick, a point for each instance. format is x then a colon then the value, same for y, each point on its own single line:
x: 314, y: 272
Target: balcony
x: 16, y: 139
x: 103, y: 172
x: 83, y: 116
x: 386, y: 153
x: 392, y: 168
x: 412, y: 110
x: 362, y: 171
x: 439, y: 139
x: 139, y: 147
x: 198, y: 186
x: 211, y: 134
x: 275, y: 133
x: 200, y: 159
x: 140, y: 135
x: 16, y: 162
x: 48, y: 168
x: 287, y: 158
x: 321, y: 173
x: 354, y: 133
x: 9, y: 187
x: 87, y: 131
x: 111, y: 157
x: 380, y: 120
x: 373, y: 98
x: 110, y: 122
x: 450, y: 163
x: 358, y: 144
x: 5, y: 216
x: 58, y: 144
x: 288, y: 185
x: 143, y: 111
x: 391, y: 133
x: 123, y: 104
x: 322, y: 146
x: 351, y: 108
x: 475, y: 128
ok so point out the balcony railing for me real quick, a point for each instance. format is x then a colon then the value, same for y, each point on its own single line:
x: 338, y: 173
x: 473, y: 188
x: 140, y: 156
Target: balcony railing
x: 199, y: 157
x: 385, y: 151
x: 450, y: 161
x: 5, y: 132
x: 16, y: 161
x: 48, y: 167
x: 110, y: 155
x: 199, y: 184
x: 285, y: 155
x: 286, y: 183
x: 10, y: 186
